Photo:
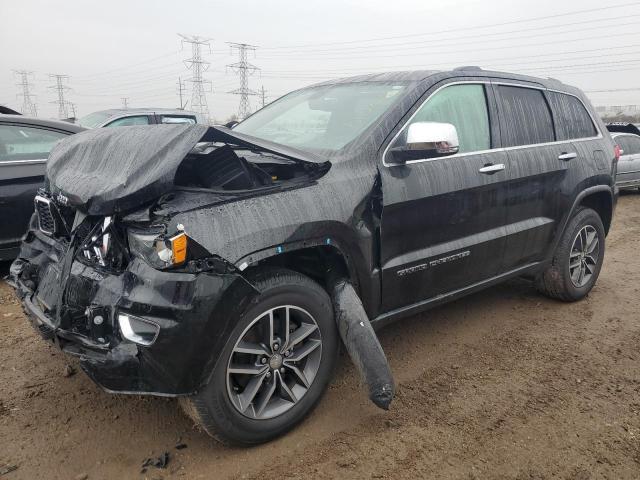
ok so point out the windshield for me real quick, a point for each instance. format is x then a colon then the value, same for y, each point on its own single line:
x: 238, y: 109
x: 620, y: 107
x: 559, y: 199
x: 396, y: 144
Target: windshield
x: 325, y: 117
x: 93, y: 119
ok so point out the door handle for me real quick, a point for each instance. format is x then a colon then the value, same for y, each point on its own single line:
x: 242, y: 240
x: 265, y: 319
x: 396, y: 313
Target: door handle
x: 492, y: 168
x: 567, y: 156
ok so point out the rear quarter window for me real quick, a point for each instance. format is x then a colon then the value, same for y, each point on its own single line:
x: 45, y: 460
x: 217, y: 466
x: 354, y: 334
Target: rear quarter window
x: 176, y: 119
x: 526, y: 118
x: 571, y: 117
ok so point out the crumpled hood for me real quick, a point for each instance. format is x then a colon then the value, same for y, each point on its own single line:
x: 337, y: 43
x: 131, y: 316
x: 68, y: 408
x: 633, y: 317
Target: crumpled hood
x: 109, y: 170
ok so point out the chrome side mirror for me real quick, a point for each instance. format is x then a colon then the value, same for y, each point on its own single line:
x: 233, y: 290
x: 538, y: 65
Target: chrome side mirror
x: 427, y: 140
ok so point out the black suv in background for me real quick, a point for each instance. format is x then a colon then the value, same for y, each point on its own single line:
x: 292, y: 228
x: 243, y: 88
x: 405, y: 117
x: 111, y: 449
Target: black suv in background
x: 212, y: 264
x: 25, y: 143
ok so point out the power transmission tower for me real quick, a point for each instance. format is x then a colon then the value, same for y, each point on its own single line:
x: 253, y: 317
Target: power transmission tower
x: 125, y: 103
x: 28, y: 105
x: 61, y: 88
x: 181, y: 89
x: 243, y: 69
x: 73, y: 109
x: 198, y: 66
x: 262, y: 95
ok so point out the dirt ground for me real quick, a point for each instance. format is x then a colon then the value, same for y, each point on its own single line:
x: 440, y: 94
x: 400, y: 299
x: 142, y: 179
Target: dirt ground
x: 504, y: 384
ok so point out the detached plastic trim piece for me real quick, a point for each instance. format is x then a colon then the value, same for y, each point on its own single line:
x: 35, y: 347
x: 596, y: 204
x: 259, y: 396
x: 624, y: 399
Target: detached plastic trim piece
x: 128, y: 329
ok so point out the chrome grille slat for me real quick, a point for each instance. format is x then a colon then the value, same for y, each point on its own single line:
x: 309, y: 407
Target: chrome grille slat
x: 46, y: 216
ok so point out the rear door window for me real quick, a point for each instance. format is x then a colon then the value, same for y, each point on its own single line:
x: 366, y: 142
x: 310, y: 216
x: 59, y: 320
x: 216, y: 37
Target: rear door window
x: 572, y: 119
x: 18, y: 142
x: 128, y: 121
x: 526, y: 118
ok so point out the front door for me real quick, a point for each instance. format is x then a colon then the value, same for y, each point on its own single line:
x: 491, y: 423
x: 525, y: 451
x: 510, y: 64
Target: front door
x: 442, y: 225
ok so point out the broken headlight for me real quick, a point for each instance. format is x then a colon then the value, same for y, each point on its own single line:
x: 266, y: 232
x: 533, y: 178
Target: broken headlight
x: 158, y: 249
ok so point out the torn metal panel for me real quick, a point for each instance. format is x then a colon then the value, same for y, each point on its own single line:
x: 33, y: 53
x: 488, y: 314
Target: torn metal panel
x: 112, y: 170
x: 362, y: 343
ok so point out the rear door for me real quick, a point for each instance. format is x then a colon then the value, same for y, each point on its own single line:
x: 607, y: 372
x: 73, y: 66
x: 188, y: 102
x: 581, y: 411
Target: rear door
x: 23, y: 153
x: 442, y: 225
x: 537, y: 169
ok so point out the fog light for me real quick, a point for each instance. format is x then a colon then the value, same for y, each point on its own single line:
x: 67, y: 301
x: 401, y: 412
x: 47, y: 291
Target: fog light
x: 138, y: 330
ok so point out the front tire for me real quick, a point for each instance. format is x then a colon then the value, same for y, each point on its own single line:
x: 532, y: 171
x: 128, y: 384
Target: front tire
x: 276, y: 363
x: 577, y: 260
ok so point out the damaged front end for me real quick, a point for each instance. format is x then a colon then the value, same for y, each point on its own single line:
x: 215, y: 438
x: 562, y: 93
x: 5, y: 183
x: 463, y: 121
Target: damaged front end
x: 108, y: 275
x: 136, y: 328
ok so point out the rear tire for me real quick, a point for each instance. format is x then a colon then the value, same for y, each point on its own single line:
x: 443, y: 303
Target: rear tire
x: 577, y: 260
x: 266, y: 339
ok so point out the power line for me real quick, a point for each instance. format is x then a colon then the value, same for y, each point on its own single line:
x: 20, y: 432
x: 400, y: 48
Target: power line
x: 61, y: 88
x: 198, y: 66
x: 462, y: 29
x: 243, y: 69
x: 613, y: 90
x: 472, y: 40
x: 384, y: 68
x: 503, y: 46
x: 143, y: 62
x: 28, y: 105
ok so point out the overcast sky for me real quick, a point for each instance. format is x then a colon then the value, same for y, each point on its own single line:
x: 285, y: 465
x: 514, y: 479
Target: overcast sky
x: 131, y: 48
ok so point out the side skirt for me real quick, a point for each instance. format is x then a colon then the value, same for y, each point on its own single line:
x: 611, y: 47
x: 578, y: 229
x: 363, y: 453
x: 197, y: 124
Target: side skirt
x: 392, y: 316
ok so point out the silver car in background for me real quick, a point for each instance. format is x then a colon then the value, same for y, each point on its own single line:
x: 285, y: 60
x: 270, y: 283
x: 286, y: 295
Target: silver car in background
x: 627, y: 137
x: 139, y: 116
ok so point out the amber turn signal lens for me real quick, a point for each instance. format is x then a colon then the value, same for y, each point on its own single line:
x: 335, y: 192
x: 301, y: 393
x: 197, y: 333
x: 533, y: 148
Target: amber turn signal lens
x: 179, y: 248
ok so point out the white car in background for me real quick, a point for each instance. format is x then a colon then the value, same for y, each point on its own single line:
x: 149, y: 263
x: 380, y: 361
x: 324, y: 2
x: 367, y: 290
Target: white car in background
x: 627, y: 137
x: 139, y: 116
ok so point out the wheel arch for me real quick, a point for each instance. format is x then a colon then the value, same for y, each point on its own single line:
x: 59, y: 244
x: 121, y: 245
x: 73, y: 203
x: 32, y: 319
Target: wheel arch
x: 313, y: 258
x: 599, y: 198
x: 602, y: 202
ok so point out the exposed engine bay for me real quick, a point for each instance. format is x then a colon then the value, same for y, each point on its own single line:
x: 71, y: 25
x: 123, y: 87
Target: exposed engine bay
x: 224, y: 167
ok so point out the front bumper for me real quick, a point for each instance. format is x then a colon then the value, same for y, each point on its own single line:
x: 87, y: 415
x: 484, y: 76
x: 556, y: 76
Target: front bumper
x: 193, y: 311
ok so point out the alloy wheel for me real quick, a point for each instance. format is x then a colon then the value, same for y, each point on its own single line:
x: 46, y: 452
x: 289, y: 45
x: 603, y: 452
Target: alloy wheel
x: 584, y: 256
x: 274, y: 362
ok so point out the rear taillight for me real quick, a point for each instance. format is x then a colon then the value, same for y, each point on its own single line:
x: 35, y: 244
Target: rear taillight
x: 617, y: 151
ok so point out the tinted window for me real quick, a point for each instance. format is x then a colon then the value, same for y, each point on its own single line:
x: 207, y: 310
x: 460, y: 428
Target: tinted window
x: 525, y: 115
x: 634, y: 145
x: 463, y: 106
x: 18, y: 142
x: 127, y: 121
x: 572, y: 119
x: 177, y: 119
x: 630, y: 144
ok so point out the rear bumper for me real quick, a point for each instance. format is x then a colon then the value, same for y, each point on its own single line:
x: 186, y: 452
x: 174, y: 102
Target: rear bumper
x: 193, y: 312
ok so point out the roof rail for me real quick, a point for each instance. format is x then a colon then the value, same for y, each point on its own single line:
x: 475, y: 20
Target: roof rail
x: 468, y: 67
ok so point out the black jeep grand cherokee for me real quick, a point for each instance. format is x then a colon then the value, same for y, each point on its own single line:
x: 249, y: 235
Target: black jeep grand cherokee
x: 222, y: 266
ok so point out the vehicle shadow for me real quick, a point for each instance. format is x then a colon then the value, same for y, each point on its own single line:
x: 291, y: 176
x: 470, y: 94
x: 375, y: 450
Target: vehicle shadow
x: 135, y: 426
x: 116, y: 433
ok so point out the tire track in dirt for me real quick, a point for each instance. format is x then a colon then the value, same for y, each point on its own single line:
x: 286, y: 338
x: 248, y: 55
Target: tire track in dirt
x: 502, y: 384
